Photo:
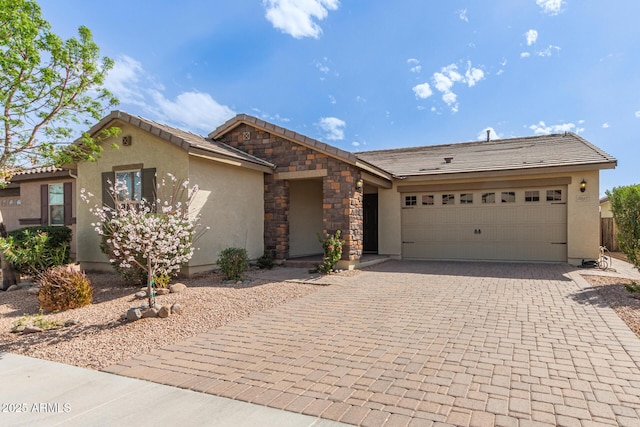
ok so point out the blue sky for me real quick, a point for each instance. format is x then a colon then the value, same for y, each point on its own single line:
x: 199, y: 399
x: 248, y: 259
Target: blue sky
x: 366, y: 74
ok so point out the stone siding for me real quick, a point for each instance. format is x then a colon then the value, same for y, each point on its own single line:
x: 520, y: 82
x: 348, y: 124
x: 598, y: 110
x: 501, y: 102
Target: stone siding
x: 342, y: 203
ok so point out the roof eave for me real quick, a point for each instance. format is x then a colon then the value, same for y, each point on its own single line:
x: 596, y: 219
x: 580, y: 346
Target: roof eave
x: 229, y: 160
x: 443, y: 175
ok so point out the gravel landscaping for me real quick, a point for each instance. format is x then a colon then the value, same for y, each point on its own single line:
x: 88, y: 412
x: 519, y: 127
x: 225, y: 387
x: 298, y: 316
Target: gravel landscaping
x: 626, y: 304
x: 100, y: 338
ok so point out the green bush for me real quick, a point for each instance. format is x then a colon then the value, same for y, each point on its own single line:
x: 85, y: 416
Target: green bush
x: 64, y: 287
x: 266, y: 261
x: 233, y: 262
x: 332, y: 247
x: 625, y: 204
x: 32, y: 250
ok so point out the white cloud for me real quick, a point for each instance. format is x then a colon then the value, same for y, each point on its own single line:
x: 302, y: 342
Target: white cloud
x: 449, y: 75
x: 422, y: 91
x: 333, y: 127
x: 473, y: 75
x: 355, y: 143
x: 541, y: 128
x: 638, y: 114
x: 462, y: 14
x: 297, y: 17
x: 551, y: 7
x: 193, y: 110
x: 332, y: 99
x: 482, y: 136
x: 548, y: 51
x: 123, y: 80
x: 531, y: 36
x: 525, y: 54
x: 414, y: 65
x: 605, y: 125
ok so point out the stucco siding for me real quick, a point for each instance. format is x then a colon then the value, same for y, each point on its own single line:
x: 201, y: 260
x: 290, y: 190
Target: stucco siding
x: 389, y: 222
x: 582, y: 211
x: 230, y: 201
x: 145, y: 150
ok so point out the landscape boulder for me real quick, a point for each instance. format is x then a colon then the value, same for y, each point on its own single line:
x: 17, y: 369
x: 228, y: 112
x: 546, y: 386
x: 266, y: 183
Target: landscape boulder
x: 177, y: 287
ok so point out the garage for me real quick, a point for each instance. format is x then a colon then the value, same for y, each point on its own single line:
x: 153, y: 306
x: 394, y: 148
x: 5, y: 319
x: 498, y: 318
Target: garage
x: 509, y: 223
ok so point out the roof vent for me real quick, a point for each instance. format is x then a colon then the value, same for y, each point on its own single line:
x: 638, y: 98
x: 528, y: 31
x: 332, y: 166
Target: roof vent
x: 488, y: 135
x: 448, y: 159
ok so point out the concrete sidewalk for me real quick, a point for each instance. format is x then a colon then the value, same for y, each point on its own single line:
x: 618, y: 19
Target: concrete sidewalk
x: 52, y: 394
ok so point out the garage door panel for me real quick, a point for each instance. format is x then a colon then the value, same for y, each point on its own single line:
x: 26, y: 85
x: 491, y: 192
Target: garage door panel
x: 495, y: 231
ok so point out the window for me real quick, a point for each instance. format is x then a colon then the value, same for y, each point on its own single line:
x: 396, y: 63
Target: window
x: 508, y: 197
x: 56, y: 204
x: 466, y: 198
x: 531, y: 196
x: 428, y: 199
x: 410, y: 200
x: 554, y: 195
x: 448, y: 199
x: 488, y: 197
x: 129, y: 185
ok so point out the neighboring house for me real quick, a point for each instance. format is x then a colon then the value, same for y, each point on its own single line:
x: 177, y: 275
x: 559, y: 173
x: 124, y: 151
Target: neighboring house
x: 608, y: 227
x: 605, y: 208
x: 40, y: 196
x: 266, y: 188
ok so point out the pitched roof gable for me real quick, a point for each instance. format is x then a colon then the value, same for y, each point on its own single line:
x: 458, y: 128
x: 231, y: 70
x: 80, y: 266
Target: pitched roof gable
x: 522, y: 153
x: 188, y: 141
x: 297, y: 138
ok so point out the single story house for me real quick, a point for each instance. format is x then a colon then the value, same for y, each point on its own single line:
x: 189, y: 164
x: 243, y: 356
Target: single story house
x: 266, y: 188
x: 40, y: 196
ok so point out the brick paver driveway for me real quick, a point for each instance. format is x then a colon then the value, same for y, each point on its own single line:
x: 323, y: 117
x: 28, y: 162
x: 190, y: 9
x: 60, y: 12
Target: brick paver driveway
x: 422, y: 343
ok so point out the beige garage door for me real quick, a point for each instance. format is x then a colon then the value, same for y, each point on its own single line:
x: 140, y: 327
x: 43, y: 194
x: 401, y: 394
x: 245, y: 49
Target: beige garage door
x: 504, y: 224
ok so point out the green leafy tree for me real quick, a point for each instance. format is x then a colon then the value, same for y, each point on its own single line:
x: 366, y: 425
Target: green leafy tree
x: 49, y: 87
x: 625, y: 204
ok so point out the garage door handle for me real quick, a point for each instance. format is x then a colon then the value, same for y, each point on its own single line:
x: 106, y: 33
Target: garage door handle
x: 408, y: 242
x: 558, y: 243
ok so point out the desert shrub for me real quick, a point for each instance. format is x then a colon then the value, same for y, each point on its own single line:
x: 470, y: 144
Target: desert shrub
x: 64, y: 287
x: 233, y: 262
x: 625, y: 204
x: 161, y: 280
x: 332, y: 248
x: 32, y: 250
x: 266, y: 261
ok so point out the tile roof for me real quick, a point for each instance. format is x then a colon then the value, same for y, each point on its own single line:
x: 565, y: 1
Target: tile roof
x: 38, y: 170
x: 184, y: 139
x: 531, y: 152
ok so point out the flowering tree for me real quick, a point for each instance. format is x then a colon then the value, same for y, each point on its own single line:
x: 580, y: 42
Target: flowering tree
x: 156, y: 237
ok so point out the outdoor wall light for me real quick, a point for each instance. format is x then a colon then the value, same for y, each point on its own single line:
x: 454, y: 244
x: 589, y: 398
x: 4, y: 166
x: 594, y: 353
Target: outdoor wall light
x: 583, y: 186
x: 359, y: 184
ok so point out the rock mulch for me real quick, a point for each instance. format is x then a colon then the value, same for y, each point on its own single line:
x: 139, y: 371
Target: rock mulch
x: 97, y: 337
x: 613, y: 292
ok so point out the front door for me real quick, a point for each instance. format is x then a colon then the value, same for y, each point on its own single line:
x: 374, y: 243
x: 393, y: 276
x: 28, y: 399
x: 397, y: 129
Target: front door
x: 370, y: 223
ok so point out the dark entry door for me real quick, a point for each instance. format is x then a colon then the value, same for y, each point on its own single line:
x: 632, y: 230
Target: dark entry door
x: 370, y: 223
